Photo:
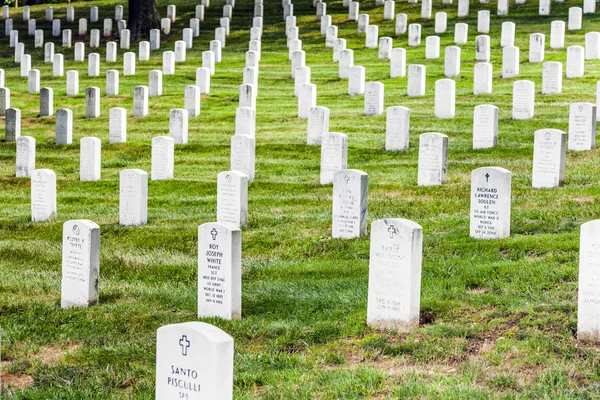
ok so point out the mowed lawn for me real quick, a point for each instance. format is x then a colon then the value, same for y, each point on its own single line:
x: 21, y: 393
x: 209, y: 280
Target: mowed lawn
x: 498, y: 318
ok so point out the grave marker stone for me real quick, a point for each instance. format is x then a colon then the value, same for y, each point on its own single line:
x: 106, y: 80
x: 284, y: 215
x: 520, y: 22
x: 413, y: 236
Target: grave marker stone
x: 133, y: 197
x: 163, y: 158
x: 25, y: 159
x: 349, y: 216
x: 232, y: 198
x: 549, y: 153
x: 43, y: 195
x: 490, y: 203
x: 334, y: 155
x: 89, y: 159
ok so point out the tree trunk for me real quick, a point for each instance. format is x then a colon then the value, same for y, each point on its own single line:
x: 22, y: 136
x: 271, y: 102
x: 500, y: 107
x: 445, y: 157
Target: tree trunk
x: 143, y: 16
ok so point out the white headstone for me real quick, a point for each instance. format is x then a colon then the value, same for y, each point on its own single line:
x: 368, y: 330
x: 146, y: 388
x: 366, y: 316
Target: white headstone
x: 557, y: 34
x: 588, y: 313
x: 117, y: 125
x: 334, y: 155
x: 346, y: 62
x: 80, y: 263
x: 461, y: 32
x: 318, y: 125
x: 463, y: 8
x: 208, y: 61
x: 194, y: 360
x: 58, y: 65
x: 482, y: 78
x: 432, y: 47
x: 154, y: 83
x: 133, y: 197
x: 372, y: 37
x: 523, y: 99
x: 401, y: 23
x: 485, y: 126
x: 482, y: 48
x: 416, y: 80
x: 507, y: 37
x: 510, y: 62
x: 302, y: 77
x: 89, y: 159
x: 112, y: 82
x: 356, y: 80
x: 163, y: 158
x: 349, y: 216
x: 245, y: 121
x: 248, y: 96
x: 433, y: 159
x: 25, y: 159
x: 307, y: 98
x: 414, y: 35
x: 445, y: 98
x: 441, y: 22
x: 232, y: 198
x: 395, y: 274
x: 242, y: 156
x: 4, y: 100
x: 46, y: 102
x: 483, y: 21
x: 168, y: 65
x: 490, y: 203
x: 93, y: 64
x: 33, y: 81
x: 582, y: 126
x: 575, y: 16
x: 552, y: 77
x: 72, y: 83
x: 397, y: 128
x: 64, y: 126
x: 178, y: 125
x: 140, y: 101
x: 374, y: 95
x: 575, y: 62
x: 536, y: 47
x: 592, y: 45
x: 549, y: 153
x: 43, y: 195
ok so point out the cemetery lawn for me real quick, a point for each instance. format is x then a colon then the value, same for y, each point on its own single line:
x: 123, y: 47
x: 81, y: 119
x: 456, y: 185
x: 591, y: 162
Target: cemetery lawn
x: 498, y: 318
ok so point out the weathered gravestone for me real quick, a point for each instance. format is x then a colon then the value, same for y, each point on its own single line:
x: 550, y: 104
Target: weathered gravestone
x: 373, y: 102
x: 582, y: 126
x: 89, y: 159
x: 318, y: 125
x: 245, y: 121
x: 133, y: 197
x: 242, y: 157
x: 64, y: 126
x: 25, y: 159
x: 433, y: 159
x: 523, y: 100
x: 12, y: 124
x: 92, y: 102
x: 140, y: 101
x: 219, y: 270
x: 117, y: 125
x: 490, y: 203
x: 445, y: 98
x: 588, y: 298
x: 191, y: 100
x: 549, y: 153
x: 510, y: 62
x: 43, y: 195
x: 163, y: 158
x: 397, y: 63
x: 80, y: 263
x: 178, y: 125
x: 416, y: 80
x: 349, y: 216
x: 232, y: 198
x: 536, y: 47
x: 552, y: 77
x: 452, y: 61
x: 194, y: 361
x: 485, y: 126
x: 334, y: 155
x: 395, y: 274
x: 397, y: 128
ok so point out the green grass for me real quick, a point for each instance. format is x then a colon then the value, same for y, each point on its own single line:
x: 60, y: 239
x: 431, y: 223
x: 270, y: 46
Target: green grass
x: 498, y: 318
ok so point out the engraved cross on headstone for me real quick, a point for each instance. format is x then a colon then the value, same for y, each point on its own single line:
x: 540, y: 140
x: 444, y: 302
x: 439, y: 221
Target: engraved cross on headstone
x: 487, y: 177
x: 214, y: 233
x: 185, y: 344
x: 346, y: 178
x: 392, y: 230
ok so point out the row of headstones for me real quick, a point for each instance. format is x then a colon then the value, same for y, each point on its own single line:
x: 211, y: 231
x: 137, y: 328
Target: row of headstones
x: 195, y: 359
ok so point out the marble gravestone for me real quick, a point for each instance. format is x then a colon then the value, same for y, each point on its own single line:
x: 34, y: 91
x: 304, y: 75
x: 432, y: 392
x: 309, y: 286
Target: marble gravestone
x: 356, y: 80
x: 163, y: 158
x: 133, y: 197
x: 178, y: 125
x: 245, y: 121
x: 25, y: 158
x: 523, y: 100
x: 549, y: 153
x: 232, y: 198
x: 318, y: 125
x: 485, y: 126
x: 588, y: 298
x: 433, y: 159
x: 445, y: 98
x: 43, y: 195
x: 482, y: 78
x: 334, y: 155
x: 349, y: 216
x: 552, y: 77
x: 416, y: 80
x: 582, y: 126
x: 80, y: 263
x: 395, y: 261
x: 194, y: 361
x: 373, y: 101
x: 89, y: 159
x: 219, y: 270
x: 117, y: 125
x: 12, y: 124
x: 242, y: 158
x: 490, y: 203
x: 452, y: 61
x: 92, y: 102
x: 64, y: 126
x: 397, y: 128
